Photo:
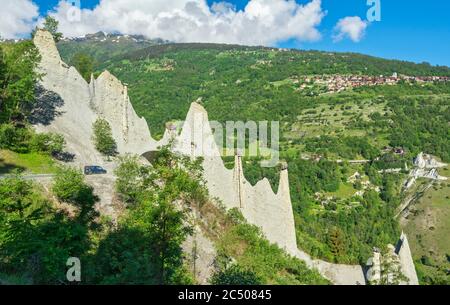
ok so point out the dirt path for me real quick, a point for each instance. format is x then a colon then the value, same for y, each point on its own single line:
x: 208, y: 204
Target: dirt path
x: 404, y: 208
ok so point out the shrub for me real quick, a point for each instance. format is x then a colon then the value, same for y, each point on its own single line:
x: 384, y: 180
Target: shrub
x: 15, y: 138
x: 69, y: 186
x: 236, y: 275
x: 50, y: 143
x: 84, y: 64
x: 24, y: 140
x: 425, y: 260
x: 132, y: 178
x: 236, y: 216
x: 103, y: 139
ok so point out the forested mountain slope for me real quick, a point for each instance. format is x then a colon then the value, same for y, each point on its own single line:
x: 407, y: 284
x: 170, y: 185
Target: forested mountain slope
x: 237, y: 82
x: 338, y: 218
x: 102, y: 46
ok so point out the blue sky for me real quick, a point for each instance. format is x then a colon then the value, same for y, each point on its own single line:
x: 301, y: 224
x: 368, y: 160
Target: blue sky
x: 413, y: 30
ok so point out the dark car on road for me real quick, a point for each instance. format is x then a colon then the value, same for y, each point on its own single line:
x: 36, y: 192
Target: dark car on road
x: 94, y: 170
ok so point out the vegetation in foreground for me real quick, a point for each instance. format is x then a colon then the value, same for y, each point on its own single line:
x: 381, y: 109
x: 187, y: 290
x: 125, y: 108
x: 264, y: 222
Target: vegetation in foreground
x: 38, y: 234
x: 21, y: 147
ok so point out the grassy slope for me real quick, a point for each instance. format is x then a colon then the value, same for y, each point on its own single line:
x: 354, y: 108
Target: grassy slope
x: 30, y: 163
x: 428, y: 228
x: 243, y: 243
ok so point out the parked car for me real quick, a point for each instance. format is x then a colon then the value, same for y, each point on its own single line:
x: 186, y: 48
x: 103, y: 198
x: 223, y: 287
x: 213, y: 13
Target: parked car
x: 94, y: 170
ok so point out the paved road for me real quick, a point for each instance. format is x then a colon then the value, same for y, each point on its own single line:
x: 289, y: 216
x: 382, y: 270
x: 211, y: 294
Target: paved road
x: 342, y: 161
x: 30, y: 177
x: 355, y: 161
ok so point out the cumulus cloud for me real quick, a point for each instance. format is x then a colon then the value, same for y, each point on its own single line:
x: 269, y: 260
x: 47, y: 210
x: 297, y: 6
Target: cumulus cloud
x: 17, y: 18
x: 261, y: 22
x: 350, y: 27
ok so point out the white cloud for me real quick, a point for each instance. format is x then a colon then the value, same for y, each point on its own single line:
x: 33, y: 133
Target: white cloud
x: 263, y: 22
x: 17, y: 18
x: 351, y: 27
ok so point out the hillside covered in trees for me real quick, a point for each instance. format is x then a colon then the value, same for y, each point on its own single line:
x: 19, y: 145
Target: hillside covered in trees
x: 237, y: 83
